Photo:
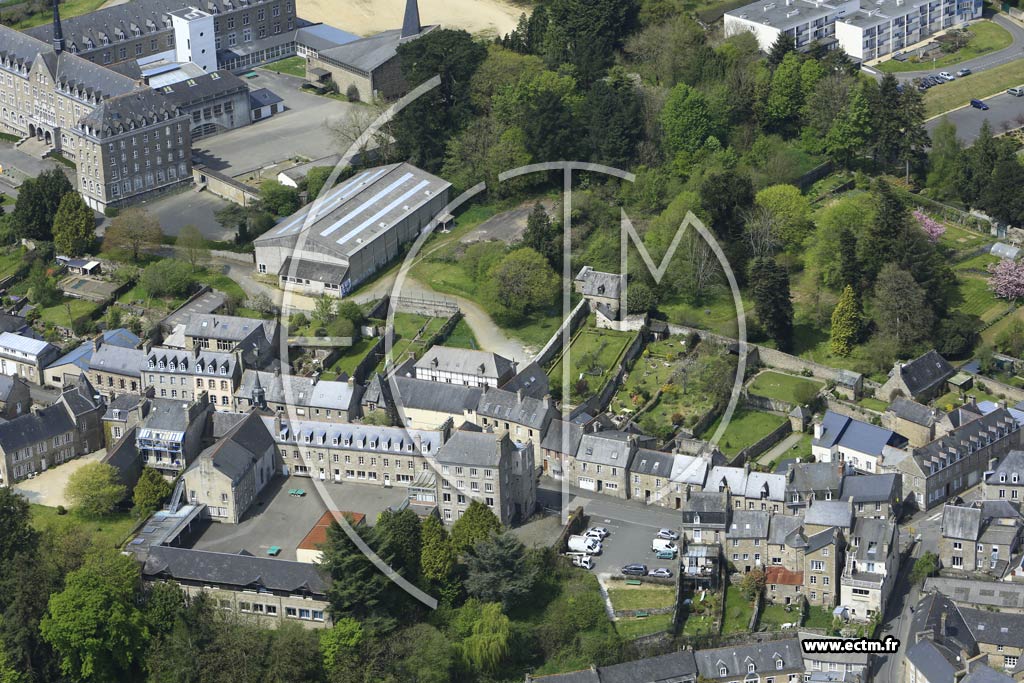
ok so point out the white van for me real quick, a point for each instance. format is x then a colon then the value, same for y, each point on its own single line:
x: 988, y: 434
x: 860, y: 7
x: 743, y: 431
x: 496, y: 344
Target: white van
x: 582, y: 561
x: 663, y: 544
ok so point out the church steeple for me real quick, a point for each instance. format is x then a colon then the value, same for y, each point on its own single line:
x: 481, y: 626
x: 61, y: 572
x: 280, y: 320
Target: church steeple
x: 58, y: 34
x: 411, y: 24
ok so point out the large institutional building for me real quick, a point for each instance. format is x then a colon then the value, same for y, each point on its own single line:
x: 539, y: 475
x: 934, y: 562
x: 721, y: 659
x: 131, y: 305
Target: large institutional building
x: 864, y: 29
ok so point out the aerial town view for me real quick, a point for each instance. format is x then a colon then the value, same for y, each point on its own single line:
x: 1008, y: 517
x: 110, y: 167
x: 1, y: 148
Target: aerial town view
x: 511, y: 341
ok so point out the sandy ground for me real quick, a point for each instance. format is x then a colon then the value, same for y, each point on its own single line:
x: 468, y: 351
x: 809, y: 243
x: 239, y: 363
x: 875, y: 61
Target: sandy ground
x: 365, y: 17
x: 47, y: 488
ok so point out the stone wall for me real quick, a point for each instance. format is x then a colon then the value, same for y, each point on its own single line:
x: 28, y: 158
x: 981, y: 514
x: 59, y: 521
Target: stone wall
x: 756, y: 449
x: 1012, y: 394
x: 224, y: 186
x: 848, y: 409
x: 597, y: 403
x: 554, y: 345
x: 435, y: 308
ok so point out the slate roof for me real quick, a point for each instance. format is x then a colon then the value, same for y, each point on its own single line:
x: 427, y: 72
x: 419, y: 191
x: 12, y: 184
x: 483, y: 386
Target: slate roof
x: 552, y: 440
x: 139, y: 107
x: 80, y: 396
x: 12, y: 323
x: 360, y: 437
x: 26, y: 430
x: 654, y: 463
x: 238, y: 451
x: 606, y: 448
x: 464, y: 362
x: 690, y: 469
x: 822, y: 539
x: 912, y: 411
x: 263, y: 97
x: 166, y: 415
x: 960, y: 440
x: 925, y: 372
x: 479, y: 449
x: 829, y: 513
x: 706, y: 502
x: 932, y: 661
x: 872, y: 534
x: 982, y: 593
x: 322, y: 36
x: 507, y: 406
x: 763, y: 655
x: 317, y: 271
x: 202, y: 86
x: 781, y: 528
x: 234, y: 570
x: 994, y: 628
x: 765, y: 486
x: 118, y: 360
x: 870, y: 488
x: 422, y: 394
x: 227, y: 327
x: 366, y: 54
x: 733, y: 477
x: 596, y: 283
x: 815, y: 476
x: 850, y: 657
x: 7, y: 384
x: 840, y: 430
x: 748, y: 524
x: 1012, y: 463
x: 300, y: 392
x: 980, y: 673
x: 123, y: 403
x: 531, y: 379
x: 927, y: 618
x: 670, y: 667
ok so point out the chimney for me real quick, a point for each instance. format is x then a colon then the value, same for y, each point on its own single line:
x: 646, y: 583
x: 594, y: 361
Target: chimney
x: 849, y: 503
x: 519, y: 394
x: 195, y: 351
x: 817, y: 430
x: 315, y: 377
x: 547, y: 401
x: 746, y: 468
x: 277, y: 371
x: 686, y: 495
x: 277, y: 425
x: 942, y: 624
x: 147, y: 345
x: 97, y: 341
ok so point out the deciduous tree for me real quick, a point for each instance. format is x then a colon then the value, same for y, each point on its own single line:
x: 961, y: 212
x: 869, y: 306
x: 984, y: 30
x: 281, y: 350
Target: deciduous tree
x: 1007, y: 279
x: 520, y: 283
x: 132, y: 231
x: 489, y: 643
x: 193, y: 246
x: 95, y: 489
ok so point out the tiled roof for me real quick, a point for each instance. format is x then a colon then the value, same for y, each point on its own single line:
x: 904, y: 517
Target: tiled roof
x: 781, y: 576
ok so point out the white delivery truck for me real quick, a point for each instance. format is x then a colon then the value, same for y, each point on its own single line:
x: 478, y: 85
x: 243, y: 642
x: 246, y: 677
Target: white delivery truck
x: 663, y: 544
x: 581, y: 560
x: 582, y: 544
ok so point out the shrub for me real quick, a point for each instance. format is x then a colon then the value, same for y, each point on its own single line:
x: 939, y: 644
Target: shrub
x: 352, y: 93
x: 111, y: 212
x: 167, y: 278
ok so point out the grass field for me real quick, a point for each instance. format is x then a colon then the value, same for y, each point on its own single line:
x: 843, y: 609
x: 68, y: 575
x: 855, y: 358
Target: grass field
x: 352, y: 357
x: 988, y: 337
x: 718, y: 314
x: 462, y: 337
x: 818, y: 618
x: 978, y: 300
x: 293, y: 66
x: 958, y: 238
x: 593, y: 354
x: 953, y: 398
x: 987, y: 37
x: 980, y: 85
x: 68, y: 8
x: 221, y: 283
x: 979, y: 262
x: 11, y: 261
x: 774, y: 616
x: 746, y: 427
x: 634, y: 628
x: 738, y: 612
x: 110, y: 531
x: 648, y: 597
x: 873, y: 403
x: 58, y: 315
x: 783, y: 387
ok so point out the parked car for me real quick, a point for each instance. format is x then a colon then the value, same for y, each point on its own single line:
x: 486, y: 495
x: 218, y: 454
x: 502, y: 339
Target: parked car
x: 978, y: 104
x: 946, y: 76
x: 659, y: 544
x: 660, y: 573
x: 583, y: 561
x: 963, y: 72
x: 668, y: 534
x: 665, y: 554
x: 635, y: 570
x: 1016, y: 92
x: 598, y: 532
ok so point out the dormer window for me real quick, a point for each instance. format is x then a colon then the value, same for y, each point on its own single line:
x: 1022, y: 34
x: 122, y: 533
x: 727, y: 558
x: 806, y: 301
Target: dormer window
x: 722, y: 671
x: 1002, y: 477
x: 750, y: 667
x: 1016, y: 478
x: 778, y: 663
x: 152, y: 363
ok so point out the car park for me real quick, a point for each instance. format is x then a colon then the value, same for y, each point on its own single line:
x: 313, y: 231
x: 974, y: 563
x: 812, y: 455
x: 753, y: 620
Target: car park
x: 660, y: 573
x: 978, y: 104
x: 1016, y: 92
x: 946, y: 76
x: 635, y: 570
x: 963, y: 72
x: 668, y: 534
x: 583, y: 561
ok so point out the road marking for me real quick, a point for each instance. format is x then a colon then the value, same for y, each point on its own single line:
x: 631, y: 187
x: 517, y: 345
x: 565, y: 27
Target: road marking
x: 934, y: 517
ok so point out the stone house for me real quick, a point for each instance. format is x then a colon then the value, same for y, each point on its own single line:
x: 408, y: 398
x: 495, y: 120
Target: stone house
x: 602, y: 463
x: 729, y: 479
x: 856, y: 443
x: 1006, y: 481
x: 746, y: 540
x: 847, y: 666
x: 921, y: 379
x: 872, y: 562
x: 983, y: 594
x: 15, y: 399
x: 257, y: 340
x: 123, y: 413
x: 782, y: 586
x: 560, y: 443
x: 874, y: 495
x: 304, y: 397
x: 600, y: 289
x: 764, y: 491
x: 823, y: 566
x: 658, y: 478
x: 464, y: 366
x: 780, y: 660
x: 787, y: 541
x: 523, y: 417
x: 185, y: 374
x: 813, y: 481
x: 705, y: 516
x: 983, y: 537
x: 422, y: 404
x: 998, y: 635
x: 941, y: 646
x: 170, y: 436
x: 229, y: 475
x: 115, y: 370
x: 913, y: 420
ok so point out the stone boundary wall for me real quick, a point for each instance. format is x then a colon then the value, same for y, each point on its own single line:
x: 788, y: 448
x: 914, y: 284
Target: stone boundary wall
x: 771, y: 405
x: 756, y: 449
x: 596, y: 404
x: 554, y: 345
x: 851, y: 410
x: 1012, y: 393
x: 435, y: 308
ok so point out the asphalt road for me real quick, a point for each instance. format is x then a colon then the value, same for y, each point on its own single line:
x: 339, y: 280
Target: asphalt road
x: 983, y: 62
x: 1005, y: 112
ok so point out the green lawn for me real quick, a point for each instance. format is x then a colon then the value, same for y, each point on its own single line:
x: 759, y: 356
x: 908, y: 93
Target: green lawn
x: 988, y: 37
x: 110, y: 531
x: 642, y: 598
x: 58, y: 315
x: 980, y: 85
x: 702, y: 615
x: 960, y: 239
x: 718, y: 314
x: 221, y: 283
x: 818, y: 618
x: 293, y: 66
x: 350, y: 358
x: 68, y: 8
x: 593, y: 354
x: 873, y: 404
x: 979, y: 262
x: 10, y: 261
x: 783, y: 387
x: 978, y: 299
x: 738, y: 612
x: 988, y: 337
x: 953, y: 397
x: 746, y: 427
x: 461, y: 337
x: 635, y: 628
x: 774, y: 616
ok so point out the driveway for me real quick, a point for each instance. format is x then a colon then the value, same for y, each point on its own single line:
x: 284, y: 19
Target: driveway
x: 1005, y: 112
x: 983, y: 62
x: 47, y: 488
x: 507, y: 226
x: 303, y: 129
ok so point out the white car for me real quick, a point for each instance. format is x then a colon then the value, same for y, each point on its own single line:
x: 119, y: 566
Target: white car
x: 946, y: 76
x: 668, y: 534
x: 660, y: 573
x: 598, y: 532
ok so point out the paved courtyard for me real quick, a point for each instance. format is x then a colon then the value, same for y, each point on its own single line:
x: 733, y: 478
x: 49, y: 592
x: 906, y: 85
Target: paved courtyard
x: 303, y: 129
x: 188, y: 207
x: 47, y: 488
x: 280, y: 519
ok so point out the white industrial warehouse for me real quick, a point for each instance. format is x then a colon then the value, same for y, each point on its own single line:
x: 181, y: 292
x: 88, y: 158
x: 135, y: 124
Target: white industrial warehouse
x: 358, y: 227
